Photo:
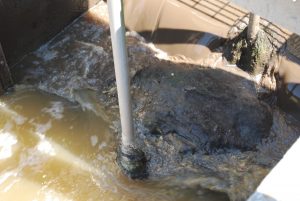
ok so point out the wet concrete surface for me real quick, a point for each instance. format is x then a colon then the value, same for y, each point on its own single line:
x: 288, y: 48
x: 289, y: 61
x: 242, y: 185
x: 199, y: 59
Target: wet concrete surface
x: 192, y: 129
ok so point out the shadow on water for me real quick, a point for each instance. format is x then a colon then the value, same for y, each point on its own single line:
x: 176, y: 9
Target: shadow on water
x: 289, y: 85
x: 165, y: 24
x: 179, y: 36
x: 25, y: 25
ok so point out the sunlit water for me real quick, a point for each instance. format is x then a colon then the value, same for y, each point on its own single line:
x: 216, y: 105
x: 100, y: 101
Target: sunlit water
x: 52, y: 150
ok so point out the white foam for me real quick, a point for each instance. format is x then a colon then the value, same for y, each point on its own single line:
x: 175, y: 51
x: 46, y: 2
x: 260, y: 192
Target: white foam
x: 9, y: 186
x: 136, y: 35
x: 45, y: 147
x: 19, y: 119
x: 41, y: 129
x: 257, y: 78
x: 45, y: 53
x: 102, y: 145
x: 7, y: 175
x: 7, y: 141
x: 159, y: 53
x: 31, y: 158
x: 2, y: 104
x: 49, y: 196
x: 56, y: 110
x: 94, y: 140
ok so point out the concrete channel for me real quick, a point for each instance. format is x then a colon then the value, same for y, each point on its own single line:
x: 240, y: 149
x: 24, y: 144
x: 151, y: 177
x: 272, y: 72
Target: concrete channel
x: 165, y: 24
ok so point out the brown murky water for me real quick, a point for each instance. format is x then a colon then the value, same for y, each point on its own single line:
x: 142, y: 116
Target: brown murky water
x: 50, y: 149
x: 53, y: 149
x: 289, y: 95
x: 165, y: 24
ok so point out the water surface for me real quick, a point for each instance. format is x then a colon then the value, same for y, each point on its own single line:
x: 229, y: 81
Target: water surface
x: 50, y: 149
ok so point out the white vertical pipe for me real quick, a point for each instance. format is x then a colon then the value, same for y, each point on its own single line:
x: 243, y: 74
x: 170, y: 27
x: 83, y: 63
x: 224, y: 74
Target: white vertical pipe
x: 117, y: 30
x: 253, y: 26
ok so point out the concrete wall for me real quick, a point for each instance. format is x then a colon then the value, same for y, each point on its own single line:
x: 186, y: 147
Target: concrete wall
x: 26, y: 24
x: 282, y: 183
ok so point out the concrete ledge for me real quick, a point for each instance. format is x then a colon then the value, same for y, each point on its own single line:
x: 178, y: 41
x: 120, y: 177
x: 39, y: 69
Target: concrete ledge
x: 283, y: 182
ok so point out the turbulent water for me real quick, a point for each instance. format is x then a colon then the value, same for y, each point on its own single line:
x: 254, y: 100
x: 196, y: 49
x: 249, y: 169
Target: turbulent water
x: 51, y: 149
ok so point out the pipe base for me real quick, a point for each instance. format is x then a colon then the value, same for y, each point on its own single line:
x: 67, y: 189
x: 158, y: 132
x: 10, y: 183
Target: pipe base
x: 132, y: 162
